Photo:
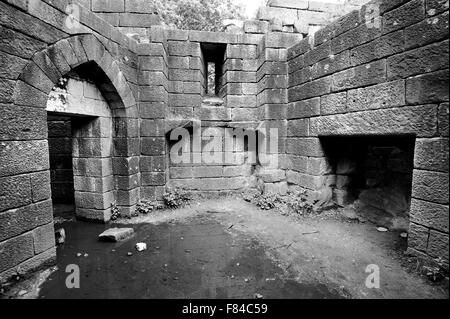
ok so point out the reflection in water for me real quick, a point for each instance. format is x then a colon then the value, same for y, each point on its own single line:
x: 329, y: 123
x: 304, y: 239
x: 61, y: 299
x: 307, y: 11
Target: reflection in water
x: 196, y: 258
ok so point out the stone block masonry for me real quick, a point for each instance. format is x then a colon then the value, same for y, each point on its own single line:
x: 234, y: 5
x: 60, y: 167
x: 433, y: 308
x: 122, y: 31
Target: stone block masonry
x: 360, y: 76
x: 363, y: 74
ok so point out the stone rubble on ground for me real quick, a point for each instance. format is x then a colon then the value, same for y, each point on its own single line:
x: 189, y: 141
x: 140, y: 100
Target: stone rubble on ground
x: 116, y: 234
x: 60, y: 236
x: 141, y: 247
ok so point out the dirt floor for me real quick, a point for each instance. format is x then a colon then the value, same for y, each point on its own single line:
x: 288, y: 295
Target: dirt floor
x: 228, y: 248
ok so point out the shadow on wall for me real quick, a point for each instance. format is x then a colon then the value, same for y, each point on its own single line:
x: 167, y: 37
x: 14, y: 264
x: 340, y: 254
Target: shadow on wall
x: 373, y: 176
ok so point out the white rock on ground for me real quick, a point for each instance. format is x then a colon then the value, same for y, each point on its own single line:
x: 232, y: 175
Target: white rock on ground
x: 116, y: 234
x: 141, y: 247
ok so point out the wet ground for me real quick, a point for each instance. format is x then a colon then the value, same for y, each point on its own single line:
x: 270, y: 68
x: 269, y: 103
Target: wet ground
x: 228, y: 248
x: 194, y: 258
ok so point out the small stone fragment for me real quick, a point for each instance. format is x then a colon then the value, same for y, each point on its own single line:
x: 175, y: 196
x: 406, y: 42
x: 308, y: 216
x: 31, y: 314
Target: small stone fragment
x: 382, y: 229
x: 116, y: 234
x: 141, y: 247
x: 60, y: 236
x: 129, y: 254
x: 258, y: 296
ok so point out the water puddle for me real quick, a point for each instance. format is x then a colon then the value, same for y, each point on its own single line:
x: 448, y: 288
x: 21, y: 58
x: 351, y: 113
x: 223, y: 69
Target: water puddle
x: 189, y: 259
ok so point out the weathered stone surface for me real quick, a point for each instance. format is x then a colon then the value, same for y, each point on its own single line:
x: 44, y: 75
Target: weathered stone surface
x: 152, y: 146
x: 18, y: 221
x: 93, y: 215
x: 301, y: 76
x: 273, y: 112
x: 238, y: 101
x: 438, y: 245
x: 428, y: 88
x: 138, y: 20
x: 6, y: 91
x: 40, y: 186
x: 423, y: 60
x: 297, y: 163
x: 443, y: 119
x: 152, y: 127
x: 22, y: 157
x: 386, y: 45
x: 94, y: 167
x: 272, y: 176
x: 427, y: 31
x: 304, y: 147
x: 298, y: 49
x: 430, y: 214
x: 93, y: 184
x: 333, y: 103
x: 94, y: 200
x: 331, y: 64
x: 44, y: 238
x: 418, y: 237
x: 353, y: 58
x: 16, y: 250
x: 45, y: 259
x: 211, y: 184
x: 430, y: 186
x: 298, y: 128
x: 385, y: 95
x: 372, y: 73
x: 431, y: 154
x: 311, y: 89
x: 179, y: 48
x: 25, y: 94
x: 240, y: 76
x: 116, y: 234
x: 420, y: 120
x: 305, y: 180
x: 21, y: 122
x: 360, y: 35
x: 317, y: 54
x: 347, y: 22
x: 272, y: 96
x: 409, y: 13
x: 253, y: 26
x: 19, y: 44
x: 244, y: 114
x: 153, y: 179
x: 108, y: 6
x: 180, y: 100
x: 127, y: 199
x: 11, y: 66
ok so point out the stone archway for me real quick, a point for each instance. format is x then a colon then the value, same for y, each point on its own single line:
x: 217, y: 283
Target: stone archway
x: 88, y: 53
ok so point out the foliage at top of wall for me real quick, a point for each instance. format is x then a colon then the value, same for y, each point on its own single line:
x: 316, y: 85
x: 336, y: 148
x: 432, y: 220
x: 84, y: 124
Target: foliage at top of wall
x: 202, y: 15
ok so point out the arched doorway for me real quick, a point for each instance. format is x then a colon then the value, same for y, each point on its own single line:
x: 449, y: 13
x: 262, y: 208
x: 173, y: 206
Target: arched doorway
x: 102, y: 109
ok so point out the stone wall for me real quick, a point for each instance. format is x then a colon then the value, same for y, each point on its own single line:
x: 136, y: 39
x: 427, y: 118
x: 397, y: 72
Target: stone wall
x: 39, y: 44
x: 302, y: 16
x: 381, y: 70
x: 131, y: 17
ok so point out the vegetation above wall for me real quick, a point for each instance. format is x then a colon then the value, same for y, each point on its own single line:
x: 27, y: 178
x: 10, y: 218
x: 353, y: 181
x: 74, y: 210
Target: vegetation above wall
x: 202, y: 15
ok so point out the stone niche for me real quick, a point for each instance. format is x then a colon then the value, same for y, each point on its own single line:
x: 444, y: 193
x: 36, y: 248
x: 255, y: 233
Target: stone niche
x: 210, y: 167
x: 372, y: 176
